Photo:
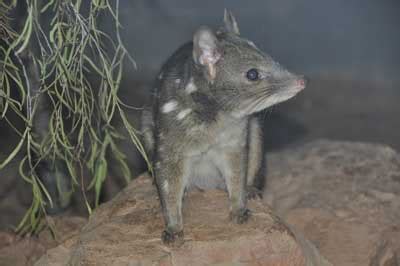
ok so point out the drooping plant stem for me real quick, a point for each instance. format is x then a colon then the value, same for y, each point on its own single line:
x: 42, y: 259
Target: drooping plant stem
x: 77, y: 67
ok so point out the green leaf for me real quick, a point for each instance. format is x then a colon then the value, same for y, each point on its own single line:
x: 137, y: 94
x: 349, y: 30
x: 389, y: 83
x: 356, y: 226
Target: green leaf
x: 100, y: 176
x: 15, y: 151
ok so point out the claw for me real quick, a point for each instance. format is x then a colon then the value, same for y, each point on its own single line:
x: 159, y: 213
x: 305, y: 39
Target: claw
x: 172, y: 238
x: 254, y: 193
x: 241, y: 216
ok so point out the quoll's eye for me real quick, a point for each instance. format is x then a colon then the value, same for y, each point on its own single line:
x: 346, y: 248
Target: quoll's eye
x: 252, y: 74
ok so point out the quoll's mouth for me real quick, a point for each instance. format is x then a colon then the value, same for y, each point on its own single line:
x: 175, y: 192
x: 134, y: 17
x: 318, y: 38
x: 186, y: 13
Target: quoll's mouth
x: 300, y: 83
x: 292, y: 88
x: 263, y: 101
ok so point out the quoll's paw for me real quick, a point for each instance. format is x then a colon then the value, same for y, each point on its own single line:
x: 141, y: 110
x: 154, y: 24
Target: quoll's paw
x: 254, y: 193
x: 241, y: 216
x: 172, y: 238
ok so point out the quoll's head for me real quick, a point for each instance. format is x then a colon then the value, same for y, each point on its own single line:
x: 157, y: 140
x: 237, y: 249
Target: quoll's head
x: 242, y: 79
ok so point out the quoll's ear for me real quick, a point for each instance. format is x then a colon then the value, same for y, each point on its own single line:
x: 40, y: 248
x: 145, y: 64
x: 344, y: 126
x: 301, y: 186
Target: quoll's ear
x: 230, y: 23
x: 206, y: 51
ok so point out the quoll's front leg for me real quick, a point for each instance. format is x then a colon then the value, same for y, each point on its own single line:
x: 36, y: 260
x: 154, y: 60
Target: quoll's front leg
x: 256, y: 160
x: 234, y: 170
x: 171, y: 186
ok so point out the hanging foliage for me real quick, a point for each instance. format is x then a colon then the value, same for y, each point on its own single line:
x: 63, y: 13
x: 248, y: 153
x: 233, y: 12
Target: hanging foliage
x: 78, y: 67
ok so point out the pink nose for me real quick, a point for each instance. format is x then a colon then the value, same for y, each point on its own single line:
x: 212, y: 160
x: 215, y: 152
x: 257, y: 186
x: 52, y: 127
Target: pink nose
x: 301, y: 83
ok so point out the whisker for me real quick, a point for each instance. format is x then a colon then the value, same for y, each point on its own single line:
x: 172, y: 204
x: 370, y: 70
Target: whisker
x: 259, y: 95
x: 253, y: 106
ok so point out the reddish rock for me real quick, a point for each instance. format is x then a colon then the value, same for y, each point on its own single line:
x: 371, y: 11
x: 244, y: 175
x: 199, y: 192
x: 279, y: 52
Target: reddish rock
x: 19, y: 251
x: 344, y: 196
x: 126, y: 231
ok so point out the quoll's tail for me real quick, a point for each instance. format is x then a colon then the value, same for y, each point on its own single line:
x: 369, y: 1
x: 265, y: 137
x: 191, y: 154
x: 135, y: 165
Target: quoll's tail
x: 147, y: 129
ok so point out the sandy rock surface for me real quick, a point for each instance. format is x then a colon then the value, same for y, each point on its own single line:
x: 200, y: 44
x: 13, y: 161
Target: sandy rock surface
x: 21, y: 251
x: 344, y: 196
x: 126, y: 231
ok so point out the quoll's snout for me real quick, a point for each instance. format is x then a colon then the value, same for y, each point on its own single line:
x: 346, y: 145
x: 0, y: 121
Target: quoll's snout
x: 301, y: 82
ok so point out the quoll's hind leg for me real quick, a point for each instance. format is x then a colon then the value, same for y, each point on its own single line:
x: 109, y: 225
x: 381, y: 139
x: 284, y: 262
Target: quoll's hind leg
x: 255, y: 166
x: 234, y: 170
x: 147, y: 130
x: 171, y: 186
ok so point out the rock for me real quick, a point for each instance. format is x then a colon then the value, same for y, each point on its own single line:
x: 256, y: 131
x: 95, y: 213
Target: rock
x: 127, y: 230
x: 384, y: 257
x: 24, y: 251
x: 6, y: 239
x: 18, y: 251
x: 344, y: 196
x: 338, y: 199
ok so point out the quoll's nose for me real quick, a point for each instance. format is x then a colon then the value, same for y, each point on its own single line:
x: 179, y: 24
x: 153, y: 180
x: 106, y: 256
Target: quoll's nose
x: 301, y: 82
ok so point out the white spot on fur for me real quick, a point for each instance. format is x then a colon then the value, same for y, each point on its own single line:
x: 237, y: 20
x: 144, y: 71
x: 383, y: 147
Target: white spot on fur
x: 165, y: 186
x: 177, y: 81
x: 190, y: 87
x: 182, y: 114
x: 169, y: 106
x: 161, y: 75
x: 252, y: 44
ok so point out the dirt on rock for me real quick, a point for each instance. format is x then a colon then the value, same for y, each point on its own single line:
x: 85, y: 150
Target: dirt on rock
x: 24, y: 251
x: 344, y: 196
x: 127, y: 230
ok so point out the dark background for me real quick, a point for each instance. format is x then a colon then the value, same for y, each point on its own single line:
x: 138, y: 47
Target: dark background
x: 348, y: 48
x: 355, y: 38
